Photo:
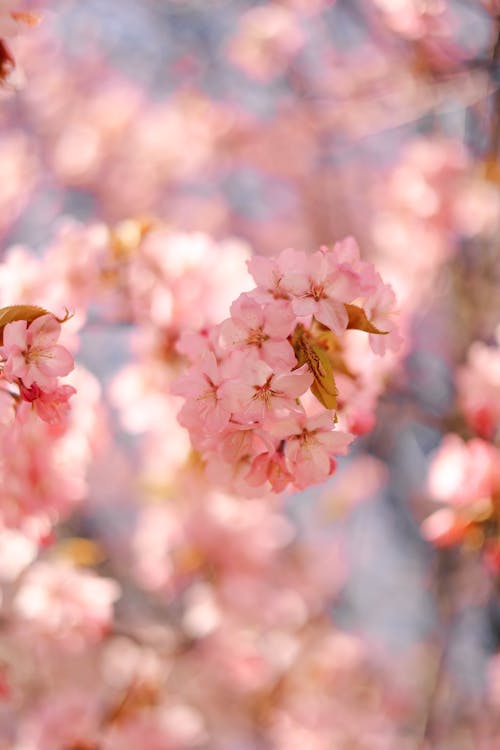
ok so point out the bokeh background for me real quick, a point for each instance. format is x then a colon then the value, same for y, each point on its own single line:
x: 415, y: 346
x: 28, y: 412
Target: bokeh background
x: 234, y: 128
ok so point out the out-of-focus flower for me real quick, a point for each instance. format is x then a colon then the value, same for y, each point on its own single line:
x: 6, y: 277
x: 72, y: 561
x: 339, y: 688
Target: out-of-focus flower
x: 65, y: 603
x: 267, y: 39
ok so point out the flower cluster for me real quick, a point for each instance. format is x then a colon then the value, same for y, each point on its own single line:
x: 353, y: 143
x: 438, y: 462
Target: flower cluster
x: 249, y: 391
x: 31, y: 359
x: 478, y: 385
x: 465, y: 477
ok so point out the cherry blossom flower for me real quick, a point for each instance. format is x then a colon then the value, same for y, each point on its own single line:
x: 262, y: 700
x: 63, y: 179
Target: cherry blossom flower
x: 265, y: 328
x: 31, y: 354
x: 322, y: 289
x: 67, y: 603
x: 478, y: 385
x: 259, y: 391
x: 207, y: 401
x: 310, y: 447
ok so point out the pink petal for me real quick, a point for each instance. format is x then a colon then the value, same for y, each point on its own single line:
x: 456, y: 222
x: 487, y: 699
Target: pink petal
x: 15, y: 367
x: 333, y: 315
x: 14, y: 334
x: 236, y: 394
x: 232, y: 333
x: 279, y: 354
x: 44, y: 331
x: 344, y: 286
x: 295, y: 384
x: 217, y: 417
x: 247, y: 313
x: 55, y: 361
x: 335, y: 442
x: 303, y: 306
x: 279, y: 320
x: 262, y: 270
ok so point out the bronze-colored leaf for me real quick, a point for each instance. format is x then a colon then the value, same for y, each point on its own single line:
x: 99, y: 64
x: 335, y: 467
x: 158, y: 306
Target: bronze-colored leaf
x: 324, y: 387
x: 316, y: 358
x: 327, y: 340
x: 359, y: 321
x: 19, y: 312
x: 29, y: 313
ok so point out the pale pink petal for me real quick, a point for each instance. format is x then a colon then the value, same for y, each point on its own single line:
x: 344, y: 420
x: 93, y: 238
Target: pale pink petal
x: 279, y: 319
x: 347, y: 250
x: 279, y: 355
x: 217, y: 417
x: 303, y: 306
x: 262, y: 270
x: 335, y: 441
x: 14, y: 334
x: 232, y: 333
x: 55, y: 360
x: 344, y: 286
x: 15, y: 367
x: 236, y: 394
x: 44, y: 331
x: 333, y: 315
x: 295, y: 384
x: 246, y: 312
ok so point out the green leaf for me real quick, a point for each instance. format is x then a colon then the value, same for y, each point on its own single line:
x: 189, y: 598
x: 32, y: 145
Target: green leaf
x: 359, y: 321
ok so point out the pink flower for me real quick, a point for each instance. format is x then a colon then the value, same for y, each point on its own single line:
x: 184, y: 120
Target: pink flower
x: 31, y: 353
x: 321, y: 287
x: 270, y: 467
x: 262, y: 327
x: 67, y: 603
x: 478, y: 384
x: 269, y: 274
x: 51, y: 406
x: 259, y: 391
x: 311, y: 444
x: 464, y: 472
x: 206, y: 407
x: 379, y: 309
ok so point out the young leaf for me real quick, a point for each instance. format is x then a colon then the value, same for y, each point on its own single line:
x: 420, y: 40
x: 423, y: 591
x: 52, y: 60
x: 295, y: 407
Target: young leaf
x: 19, y: 312
x: 324, y: 387
x: 359, y: 321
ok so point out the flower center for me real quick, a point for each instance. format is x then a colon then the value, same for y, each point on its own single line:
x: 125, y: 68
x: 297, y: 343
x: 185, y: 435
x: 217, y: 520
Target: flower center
x: 257, y: 337
x: 317, y: 292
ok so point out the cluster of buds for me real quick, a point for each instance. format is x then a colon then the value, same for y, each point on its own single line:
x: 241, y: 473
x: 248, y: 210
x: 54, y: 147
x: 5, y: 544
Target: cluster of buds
x: 31, y: 361
x: 261, y: 396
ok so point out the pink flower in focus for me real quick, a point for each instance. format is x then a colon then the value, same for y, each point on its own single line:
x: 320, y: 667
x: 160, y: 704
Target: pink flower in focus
x: 206, y: 405
x: 51, y: 406
x: 311, y: 444
x: 31, y: 354
x: 259, y: 390
x: 270, y: 467
x: 263, y: 327
x: 269, y: 274
x: 321, y: 287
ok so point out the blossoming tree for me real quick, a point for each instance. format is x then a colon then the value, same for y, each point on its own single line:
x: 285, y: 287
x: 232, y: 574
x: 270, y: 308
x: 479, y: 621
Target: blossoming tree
x: 249, y: 338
